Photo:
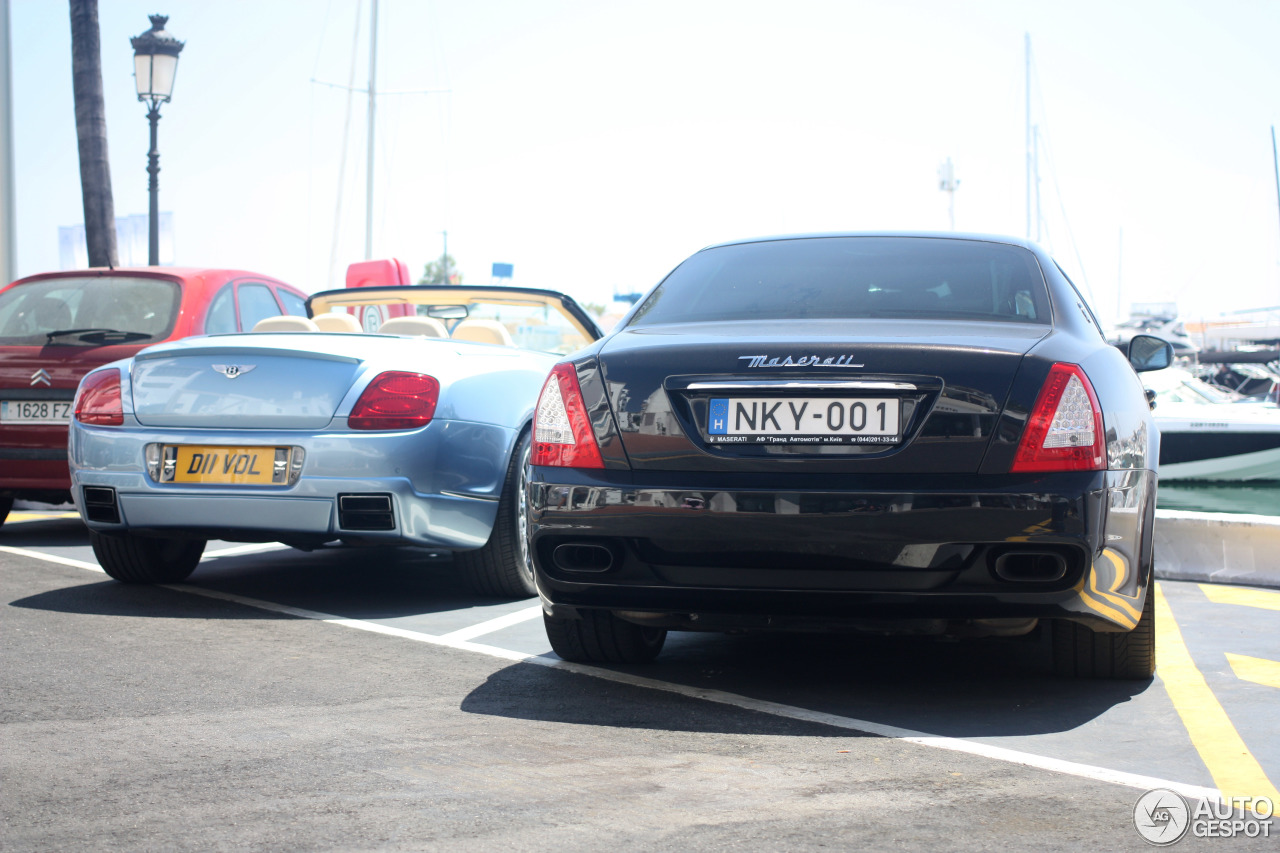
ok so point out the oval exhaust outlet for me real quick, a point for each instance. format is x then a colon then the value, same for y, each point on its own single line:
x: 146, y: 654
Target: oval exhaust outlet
x: 1030, y: 566
x: 582, y: 557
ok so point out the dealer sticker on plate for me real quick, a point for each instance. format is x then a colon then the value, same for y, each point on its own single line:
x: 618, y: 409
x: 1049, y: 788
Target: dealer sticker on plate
x: 804, y: 420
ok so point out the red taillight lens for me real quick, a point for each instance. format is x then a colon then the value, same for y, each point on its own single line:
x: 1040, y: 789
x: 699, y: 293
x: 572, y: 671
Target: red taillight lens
x: 98, y: 399
x: 562, y: 435
x: 1064, y: 432
x: 396, y: 400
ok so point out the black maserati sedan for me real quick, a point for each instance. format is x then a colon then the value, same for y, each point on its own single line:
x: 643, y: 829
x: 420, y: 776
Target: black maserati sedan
x: 886, y: 433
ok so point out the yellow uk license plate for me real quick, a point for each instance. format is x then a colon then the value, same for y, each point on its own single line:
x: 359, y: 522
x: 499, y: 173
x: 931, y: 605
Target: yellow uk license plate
x: 223, y: 465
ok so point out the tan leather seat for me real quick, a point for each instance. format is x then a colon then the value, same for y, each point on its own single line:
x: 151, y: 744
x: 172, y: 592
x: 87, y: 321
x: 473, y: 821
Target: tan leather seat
x: 484, y: 332
x: 285, y: 323
x: 427, y: 327
x: 338, y: 323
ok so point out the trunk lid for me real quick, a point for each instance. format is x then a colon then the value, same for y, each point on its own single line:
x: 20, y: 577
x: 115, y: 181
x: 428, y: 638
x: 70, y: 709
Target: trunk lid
x: 265, y: 384
x: 871, y: 396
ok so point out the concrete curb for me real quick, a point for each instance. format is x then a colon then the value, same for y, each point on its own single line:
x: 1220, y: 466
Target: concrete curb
x: 1216, y: 547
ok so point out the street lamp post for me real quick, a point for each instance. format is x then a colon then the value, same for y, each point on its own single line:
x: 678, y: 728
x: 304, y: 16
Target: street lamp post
x: 155, y: 64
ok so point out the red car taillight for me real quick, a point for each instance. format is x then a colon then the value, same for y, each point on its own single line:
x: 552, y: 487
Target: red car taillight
x: 98, y: 399
x: 1064, y: 432
x: 396, y: 400
x: 562, y: 435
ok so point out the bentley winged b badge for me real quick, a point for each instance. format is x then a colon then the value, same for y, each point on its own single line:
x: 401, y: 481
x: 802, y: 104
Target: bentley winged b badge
x: 231, y: 371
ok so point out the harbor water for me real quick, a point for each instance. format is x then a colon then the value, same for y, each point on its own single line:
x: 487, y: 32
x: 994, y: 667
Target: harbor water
x: 1260, y: 498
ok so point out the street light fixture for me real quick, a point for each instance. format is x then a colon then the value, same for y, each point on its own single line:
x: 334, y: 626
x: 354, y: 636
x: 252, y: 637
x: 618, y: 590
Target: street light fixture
x: 155, y: 64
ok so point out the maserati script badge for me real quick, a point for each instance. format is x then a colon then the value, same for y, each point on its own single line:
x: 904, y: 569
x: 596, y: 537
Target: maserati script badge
x: 799, y: 361
x: 231, y: 371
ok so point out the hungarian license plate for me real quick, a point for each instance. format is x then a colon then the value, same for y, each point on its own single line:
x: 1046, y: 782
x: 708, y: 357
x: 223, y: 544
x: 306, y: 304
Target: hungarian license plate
x: 195, y: 463
x: 804, y: 420
x: 35, y: 411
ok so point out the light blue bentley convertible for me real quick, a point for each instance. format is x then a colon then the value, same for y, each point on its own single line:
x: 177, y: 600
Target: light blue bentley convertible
x: 416, y: 434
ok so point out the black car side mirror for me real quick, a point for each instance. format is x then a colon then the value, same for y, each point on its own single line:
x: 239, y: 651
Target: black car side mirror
x: 1147, y: 352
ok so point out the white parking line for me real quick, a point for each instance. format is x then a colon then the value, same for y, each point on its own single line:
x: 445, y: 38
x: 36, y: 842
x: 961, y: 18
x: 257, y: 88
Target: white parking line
x: 479, y: 630
x: 51, y: 558
x: 776, y: 709
x: 252, y: 548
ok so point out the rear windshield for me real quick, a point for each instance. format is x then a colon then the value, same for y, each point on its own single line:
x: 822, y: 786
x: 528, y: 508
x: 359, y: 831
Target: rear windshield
x: 852, y: 277
x: 89, y: 311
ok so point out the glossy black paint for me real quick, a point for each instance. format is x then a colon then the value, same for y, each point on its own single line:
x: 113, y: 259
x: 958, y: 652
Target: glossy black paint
x: 702, y: 535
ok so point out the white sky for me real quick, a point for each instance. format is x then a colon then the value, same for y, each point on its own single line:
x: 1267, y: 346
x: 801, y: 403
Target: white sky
x: 594, y: 145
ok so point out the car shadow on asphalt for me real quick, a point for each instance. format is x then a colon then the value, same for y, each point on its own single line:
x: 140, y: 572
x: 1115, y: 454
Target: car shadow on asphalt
x: 972, y: 688
x: 355, y: 583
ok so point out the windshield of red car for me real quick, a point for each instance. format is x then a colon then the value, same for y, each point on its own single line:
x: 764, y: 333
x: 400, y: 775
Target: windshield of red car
x: 89, y: 311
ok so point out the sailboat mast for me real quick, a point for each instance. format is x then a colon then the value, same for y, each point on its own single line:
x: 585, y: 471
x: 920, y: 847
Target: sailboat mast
x: 1275, y: 164
x: 373, y: 99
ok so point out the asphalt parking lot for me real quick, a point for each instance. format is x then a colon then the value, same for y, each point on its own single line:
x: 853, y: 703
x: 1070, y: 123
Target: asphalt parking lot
x: 352, y: 699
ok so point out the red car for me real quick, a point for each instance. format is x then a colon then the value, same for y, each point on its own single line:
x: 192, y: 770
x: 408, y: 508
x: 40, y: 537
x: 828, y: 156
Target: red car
x: 56, y: 327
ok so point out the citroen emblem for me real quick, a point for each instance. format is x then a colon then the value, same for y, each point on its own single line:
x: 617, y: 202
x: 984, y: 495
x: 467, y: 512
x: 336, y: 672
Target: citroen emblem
x: 231, y: 371
x: 41, y: 377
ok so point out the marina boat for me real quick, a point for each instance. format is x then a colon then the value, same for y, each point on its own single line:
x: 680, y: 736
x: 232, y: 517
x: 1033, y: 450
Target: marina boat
x: 1209, y: 433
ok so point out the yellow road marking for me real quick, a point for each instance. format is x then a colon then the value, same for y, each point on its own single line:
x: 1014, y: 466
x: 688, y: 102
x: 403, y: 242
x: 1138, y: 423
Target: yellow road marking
x: 1234, y: 769
x: 38, y: 516
x: 1257, y: 670
x: 1239, y: 595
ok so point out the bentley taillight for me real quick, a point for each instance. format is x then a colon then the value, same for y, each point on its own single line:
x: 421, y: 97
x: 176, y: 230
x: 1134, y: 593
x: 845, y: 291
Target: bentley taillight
x: 396, y: 400
x: 562, y: 435
x: 1064, y: 431
x: 98, y: 401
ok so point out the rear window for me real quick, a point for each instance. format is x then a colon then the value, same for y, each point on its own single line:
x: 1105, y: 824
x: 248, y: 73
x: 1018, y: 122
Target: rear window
x: 89, y: 311
x: 852, y: 277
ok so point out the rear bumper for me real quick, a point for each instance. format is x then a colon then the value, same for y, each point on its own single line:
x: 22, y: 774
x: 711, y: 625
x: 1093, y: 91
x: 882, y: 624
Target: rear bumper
x: 718, y: 553
x: 437, y: 487
x: 33, y: 472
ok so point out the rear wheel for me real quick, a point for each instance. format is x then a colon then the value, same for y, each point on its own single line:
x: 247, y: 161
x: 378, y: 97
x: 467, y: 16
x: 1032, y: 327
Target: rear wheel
x: 1079, y: 652
x: 600, y: 637
x: 137, y: 559
x: 503, y: 566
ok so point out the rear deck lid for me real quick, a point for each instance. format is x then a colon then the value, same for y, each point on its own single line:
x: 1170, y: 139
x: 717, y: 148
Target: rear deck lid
x: 862, y: 353
x: 241, y: 387
x: 893, y: 396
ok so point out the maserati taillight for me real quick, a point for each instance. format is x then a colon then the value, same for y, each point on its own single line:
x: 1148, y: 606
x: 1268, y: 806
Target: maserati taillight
x: 562, y: 435
x: 98, y: 399
x: 1064, y: 431
x: 396, y: 400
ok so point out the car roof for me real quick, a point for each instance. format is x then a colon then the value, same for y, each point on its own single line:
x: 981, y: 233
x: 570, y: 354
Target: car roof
x: 939, y: 235
x: 148, y: 272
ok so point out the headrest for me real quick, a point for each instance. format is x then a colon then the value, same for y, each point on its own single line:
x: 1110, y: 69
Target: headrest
x: 484, y: 332
x: 337, y: 323
x: 414, y: 326
x: 285, y: 323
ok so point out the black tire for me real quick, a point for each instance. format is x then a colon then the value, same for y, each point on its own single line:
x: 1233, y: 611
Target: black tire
x: 1079, y: 652
x: 503, y: 567
x: 6, y: 504
x: 600, y: 637
x: 137, y: 559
